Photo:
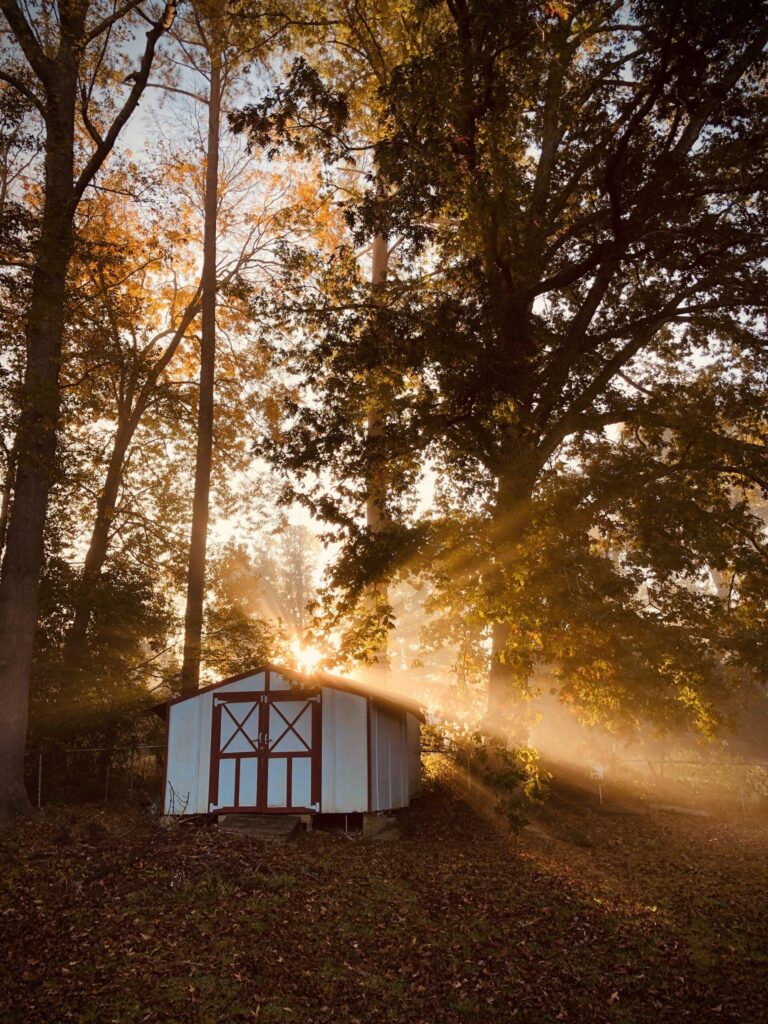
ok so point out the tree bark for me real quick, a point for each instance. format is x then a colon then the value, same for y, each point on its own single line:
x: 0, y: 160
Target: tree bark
x: 5, y: 500
x: 512, y: 515
x: 41, y: 397
x: 36, y: 441
x: 98, y: 546
x: 375, y: 511
x: 193, y: 619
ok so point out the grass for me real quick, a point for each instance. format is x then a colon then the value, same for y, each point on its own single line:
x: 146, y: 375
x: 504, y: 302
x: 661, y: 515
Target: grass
x: 106, y: 918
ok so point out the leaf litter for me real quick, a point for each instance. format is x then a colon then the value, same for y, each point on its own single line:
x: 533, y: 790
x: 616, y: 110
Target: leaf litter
x: 105, y: 917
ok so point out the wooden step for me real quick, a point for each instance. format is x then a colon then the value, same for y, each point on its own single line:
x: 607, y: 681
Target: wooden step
x: 266, y: 828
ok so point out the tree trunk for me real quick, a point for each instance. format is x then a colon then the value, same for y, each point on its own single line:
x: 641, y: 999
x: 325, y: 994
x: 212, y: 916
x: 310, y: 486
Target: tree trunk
x: 97, y: 549
x: 5, y: 500
x: 511, y: 518
x: 36, y: 444
x: 127, y: 425
x: 193, y: 619
x: 375, y: 511
x: 501, y: 678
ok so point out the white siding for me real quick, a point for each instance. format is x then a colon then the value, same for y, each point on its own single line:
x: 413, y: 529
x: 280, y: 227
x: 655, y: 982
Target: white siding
x: 181, y: 788
x: 189, y: 756
x: 390, y: 762
x: 277, y: 682
x: 256, y: 683
x: 344, y: 771
x: 250, y: 684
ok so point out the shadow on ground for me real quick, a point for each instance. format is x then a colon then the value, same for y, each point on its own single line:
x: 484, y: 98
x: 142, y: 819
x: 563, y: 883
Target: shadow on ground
x: 107, y: 918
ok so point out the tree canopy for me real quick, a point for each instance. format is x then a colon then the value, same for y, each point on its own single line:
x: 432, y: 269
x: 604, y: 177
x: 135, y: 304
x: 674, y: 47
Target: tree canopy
x: 474, y: 291
x: 573, y: 340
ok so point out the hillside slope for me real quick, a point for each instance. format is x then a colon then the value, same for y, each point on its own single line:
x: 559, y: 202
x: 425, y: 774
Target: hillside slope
x: 107, y: 918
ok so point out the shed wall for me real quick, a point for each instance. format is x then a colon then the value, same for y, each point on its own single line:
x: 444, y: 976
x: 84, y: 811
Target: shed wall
x: 344, y: 766
x: 390, y: 763
x: 394, y: 759
x: 189, y: 756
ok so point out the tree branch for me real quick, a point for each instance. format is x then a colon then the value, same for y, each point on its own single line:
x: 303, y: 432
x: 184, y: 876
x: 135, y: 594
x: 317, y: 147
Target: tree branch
x: 20, y: 87
x: 103, y: 150
x: 108, y: 22
x: 26, y: 38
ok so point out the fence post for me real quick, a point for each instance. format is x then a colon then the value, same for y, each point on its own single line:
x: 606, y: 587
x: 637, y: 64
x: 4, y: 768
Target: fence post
x: 39, y: 781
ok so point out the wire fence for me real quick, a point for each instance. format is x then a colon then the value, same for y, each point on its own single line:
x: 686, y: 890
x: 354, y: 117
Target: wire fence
x: 134, y: 774
x: 95, y: 774
x: 724, y: 781
x: 727, y: 783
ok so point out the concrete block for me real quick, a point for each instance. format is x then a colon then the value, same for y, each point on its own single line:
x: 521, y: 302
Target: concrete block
x: 375, y: 822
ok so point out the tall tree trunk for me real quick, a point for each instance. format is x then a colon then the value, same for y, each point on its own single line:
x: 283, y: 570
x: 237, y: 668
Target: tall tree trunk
x: 127, y: 425
x: 501, y: 678
x: 95, y: 557
x: 38, y: 422
x: 193, y: 619
x: 5, y: 500
x: 375, y: 511
x: 511, y: 517
x: 36, y: 443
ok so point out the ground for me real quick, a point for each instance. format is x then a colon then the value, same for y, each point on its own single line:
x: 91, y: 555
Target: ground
x: 584, y: 917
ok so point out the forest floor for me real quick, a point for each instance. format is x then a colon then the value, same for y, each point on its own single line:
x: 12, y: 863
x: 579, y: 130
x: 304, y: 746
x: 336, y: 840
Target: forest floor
x: 582, y: 917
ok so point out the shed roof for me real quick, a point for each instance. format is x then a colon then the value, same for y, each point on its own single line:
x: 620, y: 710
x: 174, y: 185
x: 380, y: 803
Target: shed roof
x: 380, y: 694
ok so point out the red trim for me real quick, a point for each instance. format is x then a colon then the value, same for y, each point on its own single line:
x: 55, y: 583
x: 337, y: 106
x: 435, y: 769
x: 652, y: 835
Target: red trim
x: 259, y: 810
x: 264, y: 701
x: 317, y: 745
x: 213, y: 771
x: 165, y: 766
x: 368, y: 709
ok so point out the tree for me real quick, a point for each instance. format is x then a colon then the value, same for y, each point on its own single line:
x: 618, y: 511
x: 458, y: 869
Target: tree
x: 138, y: 313
x: 288, y: 569
x: 582, y: 232
x: 66, y: 49
x: 216, y: 45
x: 213, y: 44
x: 237, y: 632
x: 341, y: 117
x: 20, y: 146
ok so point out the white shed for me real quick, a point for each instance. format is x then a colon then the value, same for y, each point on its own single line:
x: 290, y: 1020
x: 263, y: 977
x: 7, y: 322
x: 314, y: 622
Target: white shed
x: 275, y: 740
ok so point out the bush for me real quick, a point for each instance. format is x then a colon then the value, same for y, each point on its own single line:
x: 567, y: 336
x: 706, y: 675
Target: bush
x: 514, y: 774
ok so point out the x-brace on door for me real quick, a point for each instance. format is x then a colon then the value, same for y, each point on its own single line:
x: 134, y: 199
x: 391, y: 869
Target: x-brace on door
x: 265, y: 752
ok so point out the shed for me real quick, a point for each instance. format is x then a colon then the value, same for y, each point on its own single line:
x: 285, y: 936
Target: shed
x: 275, y: 740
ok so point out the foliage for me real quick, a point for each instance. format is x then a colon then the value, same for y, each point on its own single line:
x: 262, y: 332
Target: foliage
x: 95, y: 702
x: 237, y: 636
x: 570, y: 341
x: 513, y: 774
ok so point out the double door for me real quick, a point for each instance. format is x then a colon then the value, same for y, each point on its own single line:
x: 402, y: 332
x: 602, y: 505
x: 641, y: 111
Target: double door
x: 265, y: 752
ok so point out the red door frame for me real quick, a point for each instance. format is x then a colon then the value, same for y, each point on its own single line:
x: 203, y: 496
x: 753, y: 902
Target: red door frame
x: 264, y: 700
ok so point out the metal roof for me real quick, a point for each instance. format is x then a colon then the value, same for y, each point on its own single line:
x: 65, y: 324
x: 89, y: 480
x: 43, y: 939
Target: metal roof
x: 380, y: 694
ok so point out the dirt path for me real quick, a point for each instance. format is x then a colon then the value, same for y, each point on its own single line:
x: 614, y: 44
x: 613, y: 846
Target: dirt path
x: 107, y: 919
